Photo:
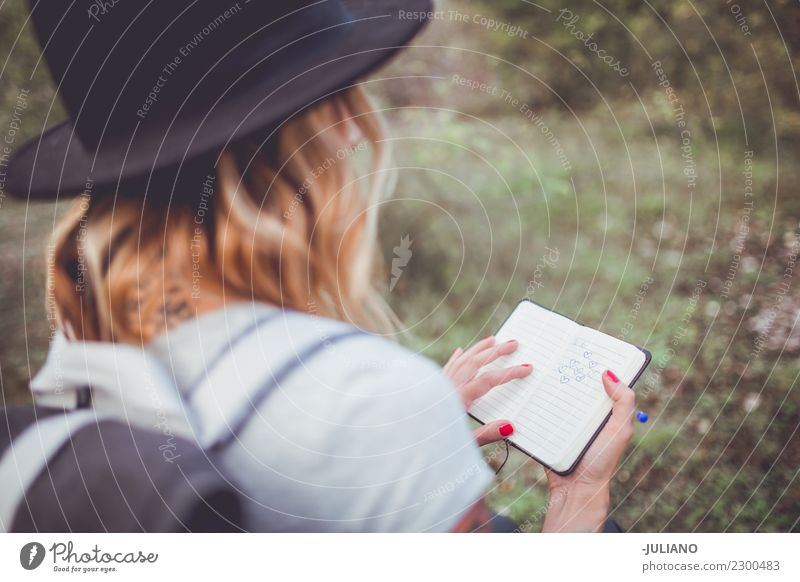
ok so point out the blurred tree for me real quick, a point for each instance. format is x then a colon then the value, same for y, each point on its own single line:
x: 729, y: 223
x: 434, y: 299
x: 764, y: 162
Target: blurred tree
x: 714, y: 51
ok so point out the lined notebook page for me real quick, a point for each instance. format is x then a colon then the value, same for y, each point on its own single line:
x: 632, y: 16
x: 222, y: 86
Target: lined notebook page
x: 558, y: 408
x: 542, y: 336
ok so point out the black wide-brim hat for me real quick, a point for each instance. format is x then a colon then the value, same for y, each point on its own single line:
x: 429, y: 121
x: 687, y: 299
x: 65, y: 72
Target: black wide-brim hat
x: 151, y: 86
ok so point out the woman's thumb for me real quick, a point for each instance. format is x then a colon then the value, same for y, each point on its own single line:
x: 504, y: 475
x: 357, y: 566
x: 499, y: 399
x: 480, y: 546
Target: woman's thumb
x: 493, y: 432
x: 616, y: 390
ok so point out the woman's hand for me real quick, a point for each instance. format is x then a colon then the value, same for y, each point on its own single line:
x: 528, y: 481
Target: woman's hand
x: 580, y: 501
x: 462, y: 368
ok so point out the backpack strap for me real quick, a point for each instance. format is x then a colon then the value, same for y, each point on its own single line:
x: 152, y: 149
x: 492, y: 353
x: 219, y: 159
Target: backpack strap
x: 228, y: 416
x: 29, y: 455
x: 233, y: 343
x: 262, y: 393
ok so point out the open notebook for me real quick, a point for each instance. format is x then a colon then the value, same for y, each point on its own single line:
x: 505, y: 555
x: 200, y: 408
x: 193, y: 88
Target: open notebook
x: 560, y: 408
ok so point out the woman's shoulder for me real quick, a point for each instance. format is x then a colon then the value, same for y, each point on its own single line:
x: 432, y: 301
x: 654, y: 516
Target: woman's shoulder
x: 359, y: 427
x: 341, y: 353
x: 336, y: 351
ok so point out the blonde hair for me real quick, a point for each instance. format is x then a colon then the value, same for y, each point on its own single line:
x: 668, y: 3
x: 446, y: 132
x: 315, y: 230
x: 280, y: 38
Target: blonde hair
x: 287, y: 221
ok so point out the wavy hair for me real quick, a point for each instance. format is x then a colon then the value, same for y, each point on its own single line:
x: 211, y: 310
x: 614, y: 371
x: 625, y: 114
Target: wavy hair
x: 286, y: 220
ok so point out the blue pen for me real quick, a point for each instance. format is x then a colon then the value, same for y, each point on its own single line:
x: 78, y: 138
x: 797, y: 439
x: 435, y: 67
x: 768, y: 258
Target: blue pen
x: 641, y: 416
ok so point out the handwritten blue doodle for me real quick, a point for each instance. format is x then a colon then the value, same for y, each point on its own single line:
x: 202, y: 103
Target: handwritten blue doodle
x: 579, y: 369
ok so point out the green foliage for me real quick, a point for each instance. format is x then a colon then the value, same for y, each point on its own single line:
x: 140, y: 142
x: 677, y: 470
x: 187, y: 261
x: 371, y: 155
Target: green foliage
x: 721, y: 71
x: 719, y: 452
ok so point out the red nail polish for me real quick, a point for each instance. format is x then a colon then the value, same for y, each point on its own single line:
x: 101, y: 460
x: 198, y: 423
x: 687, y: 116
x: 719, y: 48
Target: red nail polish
x: 612, y: 376
x: 506, y: 429
x: 526, y: 366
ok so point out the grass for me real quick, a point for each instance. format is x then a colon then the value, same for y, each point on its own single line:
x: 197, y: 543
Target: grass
x: 483, y: 203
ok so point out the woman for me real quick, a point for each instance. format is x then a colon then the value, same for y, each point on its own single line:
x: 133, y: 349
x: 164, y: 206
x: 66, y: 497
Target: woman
x: 235, y: 253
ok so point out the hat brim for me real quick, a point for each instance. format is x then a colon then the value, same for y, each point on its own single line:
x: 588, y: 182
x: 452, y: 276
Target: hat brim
x: 57, y: 164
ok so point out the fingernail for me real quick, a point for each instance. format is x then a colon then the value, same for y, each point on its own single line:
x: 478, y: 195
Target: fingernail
x: 511, y: 341
x: 487, y: 337
x: 612, y: 376
x: 506, y: 429
x: 526, y: 366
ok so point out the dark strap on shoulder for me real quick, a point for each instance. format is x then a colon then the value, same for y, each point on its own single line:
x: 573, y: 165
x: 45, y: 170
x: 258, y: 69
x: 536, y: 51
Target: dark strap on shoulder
x: 243, y: 335
x: 262, y: 393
